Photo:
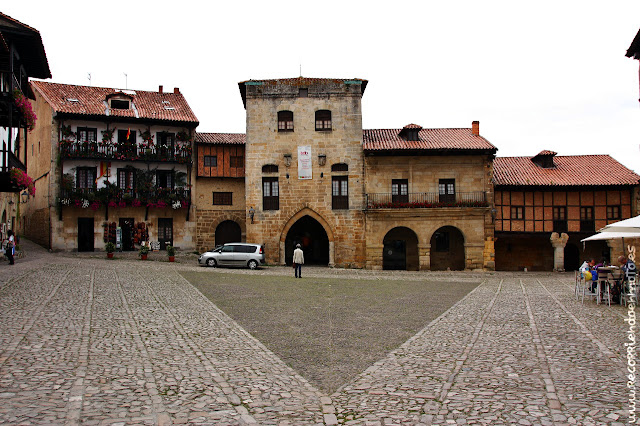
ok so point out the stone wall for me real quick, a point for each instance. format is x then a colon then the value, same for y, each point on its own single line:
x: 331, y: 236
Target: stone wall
x: 208, y: 220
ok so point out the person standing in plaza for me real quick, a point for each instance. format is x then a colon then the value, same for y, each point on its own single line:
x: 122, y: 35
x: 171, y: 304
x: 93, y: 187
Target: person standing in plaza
x: 11, y: 246
x: 298, y: 261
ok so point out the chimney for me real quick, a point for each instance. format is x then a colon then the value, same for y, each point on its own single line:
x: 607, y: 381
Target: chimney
x: 176, y: 91
x: 160, y: 89
x: 475, y: 128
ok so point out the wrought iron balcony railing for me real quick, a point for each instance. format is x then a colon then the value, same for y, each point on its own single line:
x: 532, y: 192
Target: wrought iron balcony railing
x: 420, y: 200
x: 180, y: 153
x: 155, y: 197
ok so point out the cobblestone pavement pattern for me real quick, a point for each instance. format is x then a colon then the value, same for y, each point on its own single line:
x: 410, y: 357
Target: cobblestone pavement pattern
x: 91, y: 341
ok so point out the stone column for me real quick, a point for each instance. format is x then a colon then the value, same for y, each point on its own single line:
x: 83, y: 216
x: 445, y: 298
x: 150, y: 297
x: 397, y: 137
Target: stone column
x: 558, y: 242
x: 332, y: 247
x: 282, y: 260
x: 374, y: 256
x: 424, y: 256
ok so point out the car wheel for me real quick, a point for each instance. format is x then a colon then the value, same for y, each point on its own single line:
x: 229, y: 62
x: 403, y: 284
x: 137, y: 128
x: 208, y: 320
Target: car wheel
x: 211, y: 263
x: 252, y: 264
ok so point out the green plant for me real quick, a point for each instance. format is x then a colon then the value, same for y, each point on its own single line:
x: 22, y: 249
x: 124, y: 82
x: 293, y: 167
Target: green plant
x: 110, y: 247
x: 171, y: 250
x: 144, y: 250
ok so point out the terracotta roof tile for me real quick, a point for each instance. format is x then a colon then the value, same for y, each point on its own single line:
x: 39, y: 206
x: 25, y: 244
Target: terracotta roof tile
x: 430, y: 139
x: 546, y: 152
x: 576, y: 170
x: 86, y: 100
x: 221, y: 138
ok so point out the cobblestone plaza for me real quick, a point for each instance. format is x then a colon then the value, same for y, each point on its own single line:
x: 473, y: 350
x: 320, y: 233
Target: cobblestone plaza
x: 91, y: 341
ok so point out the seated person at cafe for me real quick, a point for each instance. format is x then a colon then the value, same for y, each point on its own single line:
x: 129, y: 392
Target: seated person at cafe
x: 628, y: 270
x: 593, y: 268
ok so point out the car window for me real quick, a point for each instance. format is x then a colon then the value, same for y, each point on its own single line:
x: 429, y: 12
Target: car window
x: 248, y: 249
x: 228, y: 249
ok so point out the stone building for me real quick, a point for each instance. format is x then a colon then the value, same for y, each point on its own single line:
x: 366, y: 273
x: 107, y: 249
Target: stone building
x: 304, y: 174
x: 428, y: 198
x: 115, y: 166
x: 219, y: 185
x: 22, y: 56
x: 547, y: 203
x: 408, y: 198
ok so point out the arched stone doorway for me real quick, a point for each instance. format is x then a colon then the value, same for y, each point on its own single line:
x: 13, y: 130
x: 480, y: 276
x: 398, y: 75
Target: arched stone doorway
x: 311, y: 235
x: 447, y: 249
x: 228, y: 231
x: 400, y: 250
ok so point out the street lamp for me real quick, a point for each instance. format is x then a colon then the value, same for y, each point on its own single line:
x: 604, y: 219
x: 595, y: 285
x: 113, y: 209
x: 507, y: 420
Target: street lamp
x: 24, y: 196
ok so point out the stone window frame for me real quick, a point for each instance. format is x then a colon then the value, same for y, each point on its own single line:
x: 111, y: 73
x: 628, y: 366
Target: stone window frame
x: 323, y: 120
x: 285, y: 121
x: 340, y: 192
x: 270, y: 193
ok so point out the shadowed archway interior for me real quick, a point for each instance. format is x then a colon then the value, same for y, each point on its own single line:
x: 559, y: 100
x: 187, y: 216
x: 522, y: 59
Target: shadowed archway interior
x: 310, y: 234
x: 228, y: 232
x: 400, y: 250
x: 447, y: 249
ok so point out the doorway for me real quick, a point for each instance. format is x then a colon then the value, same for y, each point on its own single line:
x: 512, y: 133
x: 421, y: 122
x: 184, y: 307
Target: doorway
x: 126, y: 224
x: 85, y: 234
x: 228, y: 232
x: 310, y: 234
x: 400, y: 250
x: 447, y: 249
x: 165, y: 232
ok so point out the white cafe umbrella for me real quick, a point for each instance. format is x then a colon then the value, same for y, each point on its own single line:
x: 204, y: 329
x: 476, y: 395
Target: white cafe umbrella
x: 628, y: 228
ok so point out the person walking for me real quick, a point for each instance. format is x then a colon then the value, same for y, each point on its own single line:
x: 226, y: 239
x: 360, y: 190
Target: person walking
x: 10, y: 249
x: 298, y: 261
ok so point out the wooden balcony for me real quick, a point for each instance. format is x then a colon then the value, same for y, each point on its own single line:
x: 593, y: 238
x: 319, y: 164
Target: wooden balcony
x: 126, y: 152
x: 119, y: 198
x: 425, y: 200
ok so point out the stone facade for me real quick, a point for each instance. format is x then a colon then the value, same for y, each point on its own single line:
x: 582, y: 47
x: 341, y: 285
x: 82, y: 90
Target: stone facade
x: 471, y: 226
x: 342, y: 230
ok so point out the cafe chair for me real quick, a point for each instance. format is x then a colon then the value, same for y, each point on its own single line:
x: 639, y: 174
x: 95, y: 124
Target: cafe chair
x: 627, y: 295
x: 583, y: 288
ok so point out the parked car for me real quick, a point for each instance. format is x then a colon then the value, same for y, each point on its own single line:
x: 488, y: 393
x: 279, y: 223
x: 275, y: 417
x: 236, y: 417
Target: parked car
x: 234, y: 254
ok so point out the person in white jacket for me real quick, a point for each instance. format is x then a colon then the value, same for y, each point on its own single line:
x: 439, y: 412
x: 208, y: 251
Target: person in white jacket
x: 298, y: 261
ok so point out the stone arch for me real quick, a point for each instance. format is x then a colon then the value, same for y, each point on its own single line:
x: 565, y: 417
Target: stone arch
x: 448, y: 249
x: 306, y: 211
x: 208, y: 222
x: 400, y: 249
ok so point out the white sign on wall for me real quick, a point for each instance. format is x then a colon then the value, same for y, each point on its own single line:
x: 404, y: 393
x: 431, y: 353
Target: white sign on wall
x: 304, y: 162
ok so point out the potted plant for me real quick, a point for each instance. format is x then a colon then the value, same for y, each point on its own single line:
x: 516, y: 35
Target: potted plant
x: 143, y: 252
x: 110, y: 248
x: 171, y: 252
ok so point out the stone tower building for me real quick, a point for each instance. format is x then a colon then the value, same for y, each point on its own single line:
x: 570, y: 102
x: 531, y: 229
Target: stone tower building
x: 304, y: 169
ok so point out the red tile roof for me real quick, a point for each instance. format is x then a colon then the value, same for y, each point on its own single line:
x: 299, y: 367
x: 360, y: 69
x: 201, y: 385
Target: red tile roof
x: 221, y: 138
x: 546, y: 152
x: 430, y: 139
x: 575, y: 170
x: 91, y: 101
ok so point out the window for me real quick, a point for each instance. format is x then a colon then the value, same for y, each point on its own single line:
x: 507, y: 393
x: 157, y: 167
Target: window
x: 559, y: 219
x: 400, y: 191
x: 340, y: 167
x: 126, y: 181
x: 86, y: 178
x: 285, y: 121
x: 164, y: 179
x: 85, y: 134
x: 222, y: 198
x: 340, y: 192
x: 270, y: 194
x: 236, y: 161
x: 165, y: 142
x: 119, y: 104
x: 613, y: 212
x: 447, y: 190
x: 587, y: 224
x: 517, y: 212
x: 303, y: 93
x: 323, y: 120
x: 127, y: 142
x: 210, y: 161
x: 270, y: 168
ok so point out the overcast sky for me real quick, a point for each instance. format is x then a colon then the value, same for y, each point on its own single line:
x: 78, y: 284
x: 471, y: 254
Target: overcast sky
x: 537, y: 75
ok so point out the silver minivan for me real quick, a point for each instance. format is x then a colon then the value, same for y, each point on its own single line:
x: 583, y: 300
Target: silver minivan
x: 234, y: 254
